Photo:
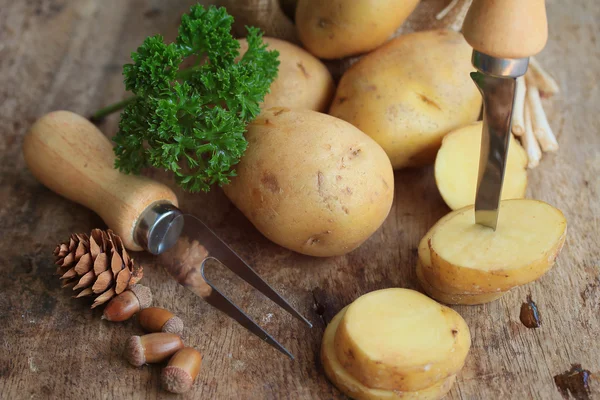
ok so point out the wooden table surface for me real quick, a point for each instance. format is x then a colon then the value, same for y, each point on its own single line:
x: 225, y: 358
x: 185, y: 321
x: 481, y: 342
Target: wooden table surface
x: 67, y: 54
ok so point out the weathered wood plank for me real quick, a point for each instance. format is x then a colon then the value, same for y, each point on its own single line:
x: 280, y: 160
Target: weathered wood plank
x: 68, y: 54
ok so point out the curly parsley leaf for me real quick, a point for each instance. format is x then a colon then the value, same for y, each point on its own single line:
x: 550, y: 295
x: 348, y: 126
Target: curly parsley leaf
x: 192, y: 121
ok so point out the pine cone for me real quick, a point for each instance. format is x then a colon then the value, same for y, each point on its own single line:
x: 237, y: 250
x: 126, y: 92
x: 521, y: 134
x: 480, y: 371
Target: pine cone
x: 96, y: 265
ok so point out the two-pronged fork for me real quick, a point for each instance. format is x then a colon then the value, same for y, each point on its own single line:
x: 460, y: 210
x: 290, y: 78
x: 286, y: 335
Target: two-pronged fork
x: 69, y: 155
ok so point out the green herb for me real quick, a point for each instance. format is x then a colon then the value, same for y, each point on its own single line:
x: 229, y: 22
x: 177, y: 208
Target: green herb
x: 192, y: 121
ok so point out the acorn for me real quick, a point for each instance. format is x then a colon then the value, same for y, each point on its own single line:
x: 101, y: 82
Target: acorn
x: 183, y: 368
x: 151, y: 348
x: 155, y: 319
x: 125, y: 305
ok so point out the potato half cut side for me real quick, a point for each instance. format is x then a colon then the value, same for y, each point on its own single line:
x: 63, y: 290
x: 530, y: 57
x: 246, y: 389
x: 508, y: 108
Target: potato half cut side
x: 400, y: 339
x: 348, y: 385
x: 447, y: 298
x: 457, y: 163
x: 477, y: 259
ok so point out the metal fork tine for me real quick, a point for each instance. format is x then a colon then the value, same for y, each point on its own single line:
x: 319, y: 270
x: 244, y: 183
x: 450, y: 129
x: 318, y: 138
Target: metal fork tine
x: 221, y: 302
x: 244, y: 271
x: 226, y: 256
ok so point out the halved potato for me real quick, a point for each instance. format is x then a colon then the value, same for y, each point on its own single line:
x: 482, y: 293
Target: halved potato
x: 351, y: 387
x: 400, y: 339
x: 448, y: 298
x: 476, y: 259
x: 457, y: 162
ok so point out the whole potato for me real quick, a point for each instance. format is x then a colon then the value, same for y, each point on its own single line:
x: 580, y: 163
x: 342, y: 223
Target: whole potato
x: 340, y: 28
x: 303, y: 81
x: 312, y: 183
x: 409, y: 93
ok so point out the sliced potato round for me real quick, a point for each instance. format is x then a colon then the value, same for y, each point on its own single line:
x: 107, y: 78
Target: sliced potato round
x: 457, y: 162
x: 476, y: 259
x: 351, y: 387
x: 400, y: 339
x: 448, y: 298
x: 435, y: 287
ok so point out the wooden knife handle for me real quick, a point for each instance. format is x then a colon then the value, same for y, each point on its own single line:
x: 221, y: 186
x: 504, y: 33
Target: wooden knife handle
x: 507, y: 28
x: 69, y: 155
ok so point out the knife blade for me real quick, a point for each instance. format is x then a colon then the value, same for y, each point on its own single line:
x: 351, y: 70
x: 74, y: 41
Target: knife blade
x: 496, y: 80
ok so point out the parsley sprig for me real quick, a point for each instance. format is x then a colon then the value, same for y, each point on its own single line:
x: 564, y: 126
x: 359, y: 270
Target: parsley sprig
x: 192, y: 121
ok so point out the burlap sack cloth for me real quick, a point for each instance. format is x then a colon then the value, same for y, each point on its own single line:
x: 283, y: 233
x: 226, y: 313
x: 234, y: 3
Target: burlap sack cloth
x: 275, y: 18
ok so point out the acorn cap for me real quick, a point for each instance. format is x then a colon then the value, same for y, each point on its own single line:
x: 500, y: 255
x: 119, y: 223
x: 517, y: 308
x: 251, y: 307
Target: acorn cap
x: 173, y: 325
x: 134, y: 351
x: 176, y: 379
x: 143, y: 294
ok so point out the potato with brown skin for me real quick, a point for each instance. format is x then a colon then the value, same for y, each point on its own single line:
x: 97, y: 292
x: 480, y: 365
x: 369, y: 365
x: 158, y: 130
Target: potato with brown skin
x: 409, y: 93
x: 339, y: 28
x: 312, y: 183
x: 303, y: 81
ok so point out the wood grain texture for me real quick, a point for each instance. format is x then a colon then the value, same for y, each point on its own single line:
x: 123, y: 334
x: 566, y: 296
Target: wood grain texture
x: 67, y: 54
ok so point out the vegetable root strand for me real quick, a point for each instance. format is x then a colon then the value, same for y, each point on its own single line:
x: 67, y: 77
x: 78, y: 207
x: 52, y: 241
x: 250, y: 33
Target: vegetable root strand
x: 461, y: 14
x: 518, y: 119
x: 541, y: 127
x: 529, y: 121
x: 534, y: 154
x: 442, y: 14
x: 544, y: 82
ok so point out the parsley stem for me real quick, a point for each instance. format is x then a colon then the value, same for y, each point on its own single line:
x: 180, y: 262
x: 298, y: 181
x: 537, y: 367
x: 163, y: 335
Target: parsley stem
x: 103, y: 112
x: 186, y: 73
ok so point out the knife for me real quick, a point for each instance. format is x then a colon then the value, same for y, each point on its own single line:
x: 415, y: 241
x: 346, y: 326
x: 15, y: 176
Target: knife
x: 503, y: 34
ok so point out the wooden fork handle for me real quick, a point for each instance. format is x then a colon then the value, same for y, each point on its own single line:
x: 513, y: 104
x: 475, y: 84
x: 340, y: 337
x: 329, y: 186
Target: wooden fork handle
x: 507, y: 28
x: 70, y: 156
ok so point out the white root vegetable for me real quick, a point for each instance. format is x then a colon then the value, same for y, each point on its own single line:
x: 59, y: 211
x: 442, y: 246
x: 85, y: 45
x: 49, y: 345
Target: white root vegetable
x: 460, y: 16
x: 534, y: 154
x: 518, y: 118
x: 442, y: 14
x: 541, y: 127
x: 535, y: 131
x: 544, y: 82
